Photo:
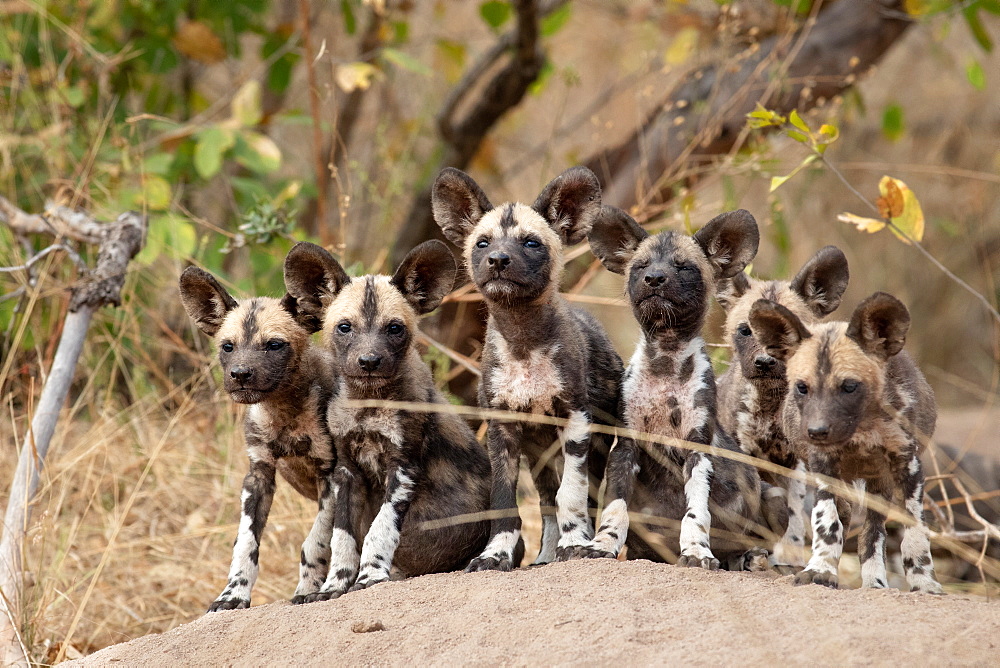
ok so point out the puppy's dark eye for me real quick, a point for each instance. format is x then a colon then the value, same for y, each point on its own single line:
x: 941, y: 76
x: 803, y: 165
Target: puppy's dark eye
x: 482, y: 243
x: 275, y: 344
x: 685, y: 268
x: 849, y: 386
x: 344, y: 327
x: 227, y: 347
x: 743, y: 330
x: 394, y: 329
x: 801, y: 388
x: 532, y: 243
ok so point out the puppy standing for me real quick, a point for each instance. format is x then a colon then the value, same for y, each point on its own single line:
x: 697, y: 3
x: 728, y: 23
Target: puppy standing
x: 540, y: 355
x: 858, y: 409
x: 669, y: 389
x: 752, y: 391
x: 396, y: 469
x: 268, y: 362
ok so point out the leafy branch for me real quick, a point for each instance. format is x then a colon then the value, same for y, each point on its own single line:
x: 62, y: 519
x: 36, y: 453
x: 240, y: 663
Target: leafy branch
x: 897, y: 208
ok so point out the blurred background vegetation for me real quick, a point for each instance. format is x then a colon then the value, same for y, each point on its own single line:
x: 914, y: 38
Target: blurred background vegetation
x: 240, y: 127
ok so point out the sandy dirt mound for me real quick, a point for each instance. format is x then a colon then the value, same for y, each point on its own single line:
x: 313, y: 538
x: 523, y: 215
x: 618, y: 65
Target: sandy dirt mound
x: 597, y: 612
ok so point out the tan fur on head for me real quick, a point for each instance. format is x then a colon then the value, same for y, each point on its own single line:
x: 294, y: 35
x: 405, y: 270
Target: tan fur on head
x: 779, y: 292
x: 349, y: 304
x: 847, y: 361
x: 528, y: 221
x: 270, y: 321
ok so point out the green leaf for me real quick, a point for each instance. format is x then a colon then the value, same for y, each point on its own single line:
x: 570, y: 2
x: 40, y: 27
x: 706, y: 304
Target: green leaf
x: 158, y: 163
x: 778, y: 181
x: 405, y: 60
x: 155, y: 192
x: 974, y: 73
x: 246, y: 104
x: 893, y: 124
x: 544, y: 75
x: 976, y: 27
x: 257, y: 152
x: 495, y: 13
x: 350, y: 23
x: 797, y: 136
x: 797, y: 121
x: 554, y: 22
x: 210, y: 149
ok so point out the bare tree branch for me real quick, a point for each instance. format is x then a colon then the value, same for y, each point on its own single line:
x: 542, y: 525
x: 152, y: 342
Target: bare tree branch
x: 704, y: 116
x: 119, y: 243
x: 504, y: 91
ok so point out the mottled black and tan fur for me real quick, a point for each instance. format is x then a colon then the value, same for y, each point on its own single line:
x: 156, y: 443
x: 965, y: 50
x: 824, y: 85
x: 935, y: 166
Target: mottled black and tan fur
x: 858, y: 409
x: 396, y: 469
x: 669, y: 390
x: 752, y: 391
x: 269, y: 363
x: 540, y: 355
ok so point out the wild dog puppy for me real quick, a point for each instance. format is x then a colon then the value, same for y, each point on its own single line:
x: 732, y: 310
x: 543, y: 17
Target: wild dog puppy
x: 752, y: 391
x: 540, y: 355
x: 669, y: 389
x: 268, y: 363
x: 858, y: 409
x: 396, y: 469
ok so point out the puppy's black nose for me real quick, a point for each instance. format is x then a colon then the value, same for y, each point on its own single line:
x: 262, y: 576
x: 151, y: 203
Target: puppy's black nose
x: 819, y: 433
x: 764, y: 362
x: 498, y: 260
x: 655, y: 278
x: 369, y: 362
x: 241, y: 374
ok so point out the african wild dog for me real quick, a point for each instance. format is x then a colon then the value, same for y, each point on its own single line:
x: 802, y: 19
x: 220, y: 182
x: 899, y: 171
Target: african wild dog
x: 269, y: 363
x: 858, y: 409
x: 752, y: 391
x: 669, y: 390
x: 396, y: 469
x: 540, y: 355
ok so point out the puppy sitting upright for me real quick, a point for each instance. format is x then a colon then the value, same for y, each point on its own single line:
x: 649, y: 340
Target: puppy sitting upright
x: 540, y: 355
x: 269, y: 363
x: 858, y: 409
x: 752, y: 391
x: 669, y: 390
x: 396, y: 469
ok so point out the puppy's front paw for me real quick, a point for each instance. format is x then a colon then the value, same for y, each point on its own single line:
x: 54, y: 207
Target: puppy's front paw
x: 366, y: 581
x: 817, y: 577
x: 585, y: 552
x: 709, y: 563
x: 494, y: 563
x: 229, y: 604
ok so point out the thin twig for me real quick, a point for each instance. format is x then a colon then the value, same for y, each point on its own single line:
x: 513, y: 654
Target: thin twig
x: 38, y: 256
x: 937, y: 263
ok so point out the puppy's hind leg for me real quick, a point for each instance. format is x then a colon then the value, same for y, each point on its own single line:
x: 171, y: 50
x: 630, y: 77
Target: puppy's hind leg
x: 547, y: 484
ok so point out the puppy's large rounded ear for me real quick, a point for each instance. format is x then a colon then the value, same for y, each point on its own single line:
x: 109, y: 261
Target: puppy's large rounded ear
x: 570, y: 203
x: 729, y: 290
x: 457, y: 203
x: 730, y: 242
x: 822, y: 280
x: 614, y: 238
x: 777, y: 329
x: 204, y: 299
x: 313, y: 278
x: 879, y: 325
x: 426, y: 275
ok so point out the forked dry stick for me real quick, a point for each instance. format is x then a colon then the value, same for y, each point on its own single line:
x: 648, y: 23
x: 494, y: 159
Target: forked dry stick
x: 118, y: 243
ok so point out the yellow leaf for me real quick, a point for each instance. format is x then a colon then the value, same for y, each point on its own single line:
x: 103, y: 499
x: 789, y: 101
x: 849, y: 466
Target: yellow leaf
x: 797, y: 121
x: 890, y: 204
x: 354, y: 76
x: 869, y: 225
x: 288, y: 192
x: 196, y: 40
x: 908, y: 216
x: 246, y: 104
x: 682, y: 46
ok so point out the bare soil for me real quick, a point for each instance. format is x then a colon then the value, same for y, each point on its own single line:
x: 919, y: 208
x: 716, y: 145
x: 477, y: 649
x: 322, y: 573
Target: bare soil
x: 593, y: 612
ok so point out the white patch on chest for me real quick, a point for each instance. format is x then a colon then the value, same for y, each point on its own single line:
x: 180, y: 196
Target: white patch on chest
x: 373, y: 432
x: 528, y: 384
x: 649, y: 398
